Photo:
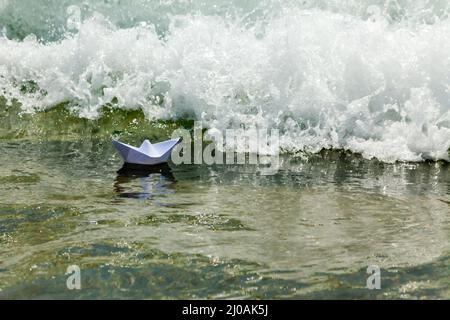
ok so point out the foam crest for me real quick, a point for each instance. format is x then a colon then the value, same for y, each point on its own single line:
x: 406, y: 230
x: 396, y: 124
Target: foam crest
x: 324, y: 79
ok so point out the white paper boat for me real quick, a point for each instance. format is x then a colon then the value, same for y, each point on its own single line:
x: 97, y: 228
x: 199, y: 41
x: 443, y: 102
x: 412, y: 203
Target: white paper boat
x: 147, y: 153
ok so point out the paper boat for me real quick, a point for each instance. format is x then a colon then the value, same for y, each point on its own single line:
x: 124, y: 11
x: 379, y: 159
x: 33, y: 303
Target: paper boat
x: 147, y: 153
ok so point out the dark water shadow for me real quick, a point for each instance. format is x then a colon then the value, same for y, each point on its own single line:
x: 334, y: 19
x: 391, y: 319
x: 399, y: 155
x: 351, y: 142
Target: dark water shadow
x: 144, y: 182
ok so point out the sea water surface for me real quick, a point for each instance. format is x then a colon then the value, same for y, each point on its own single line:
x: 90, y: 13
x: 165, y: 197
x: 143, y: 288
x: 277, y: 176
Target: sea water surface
x: 359, y: 92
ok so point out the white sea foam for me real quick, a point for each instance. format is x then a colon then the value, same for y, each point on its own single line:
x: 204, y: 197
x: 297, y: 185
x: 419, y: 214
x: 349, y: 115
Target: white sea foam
x: 325, y: 79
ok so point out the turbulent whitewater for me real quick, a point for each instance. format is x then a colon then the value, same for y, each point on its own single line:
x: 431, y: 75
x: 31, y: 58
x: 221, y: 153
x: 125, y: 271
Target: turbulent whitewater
x: 372, y: 77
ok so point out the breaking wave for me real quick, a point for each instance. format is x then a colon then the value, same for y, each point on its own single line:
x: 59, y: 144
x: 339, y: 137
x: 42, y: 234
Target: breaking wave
x: 372, y: 77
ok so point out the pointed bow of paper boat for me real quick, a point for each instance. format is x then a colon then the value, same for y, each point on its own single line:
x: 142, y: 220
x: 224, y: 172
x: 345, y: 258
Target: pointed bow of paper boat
x: 147, y: 153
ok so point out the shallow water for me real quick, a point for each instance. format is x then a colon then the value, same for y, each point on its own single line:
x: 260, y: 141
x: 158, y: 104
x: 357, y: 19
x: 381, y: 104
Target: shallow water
x: 310, y: 231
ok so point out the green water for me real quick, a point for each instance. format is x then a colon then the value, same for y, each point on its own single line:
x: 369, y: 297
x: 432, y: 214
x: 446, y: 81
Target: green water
x: 198, y: 231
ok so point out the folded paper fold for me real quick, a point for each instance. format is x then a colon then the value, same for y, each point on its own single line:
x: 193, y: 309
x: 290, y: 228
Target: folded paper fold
x: 147, y: 153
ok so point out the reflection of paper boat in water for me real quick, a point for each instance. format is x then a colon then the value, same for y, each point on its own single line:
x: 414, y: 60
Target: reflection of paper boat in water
x: 154, y: 181
x: 147, y: 153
